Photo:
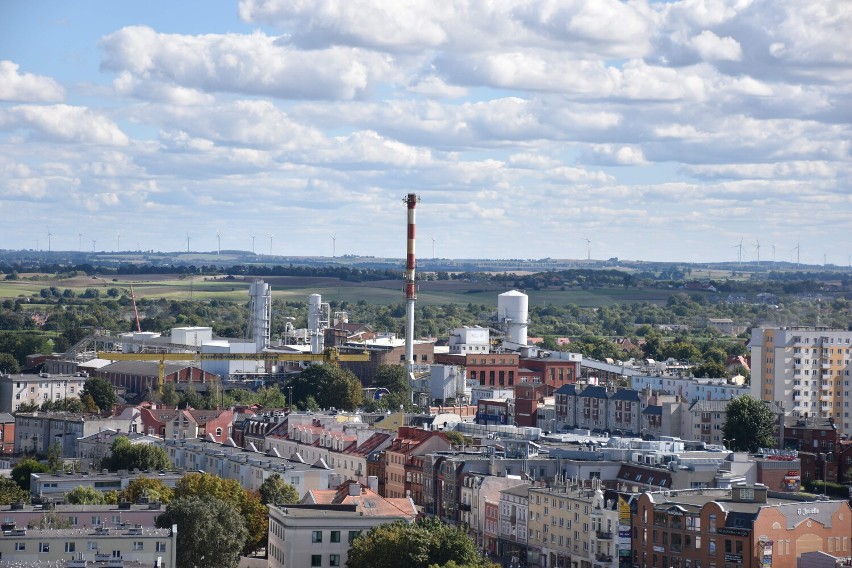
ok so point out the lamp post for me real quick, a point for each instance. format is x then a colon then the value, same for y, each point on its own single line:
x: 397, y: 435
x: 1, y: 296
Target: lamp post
x: 729, y: 443
x: 290, y: 399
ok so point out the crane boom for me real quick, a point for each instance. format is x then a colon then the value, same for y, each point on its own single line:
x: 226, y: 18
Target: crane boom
x: 135, y: 311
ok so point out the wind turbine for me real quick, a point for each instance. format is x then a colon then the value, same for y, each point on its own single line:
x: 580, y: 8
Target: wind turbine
x: 588, y: 248
x: 252, y: 244
x: 218, y: 242
x: 433, y: 248
x: 118, y: 242
x: 740, y: 255
x: 80, y: 241
x: 94, y: 241
x: 773, y: 254
x: 757, y: 246
x: 798, y: 250
x: 270, y: 244
x: 49, y: 234
x: 187, y: 242
x: 333, y: 245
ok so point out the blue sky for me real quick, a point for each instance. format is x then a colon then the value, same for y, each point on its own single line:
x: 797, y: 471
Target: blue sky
x: 660, y: 131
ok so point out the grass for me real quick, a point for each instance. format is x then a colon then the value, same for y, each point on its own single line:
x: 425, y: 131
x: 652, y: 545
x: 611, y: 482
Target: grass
x: 382, y: 292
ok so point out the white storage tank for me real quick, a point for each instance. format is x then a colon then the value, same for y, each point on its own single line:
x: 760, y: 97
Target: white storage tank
x: 512, y: 309
x: 318, y: 319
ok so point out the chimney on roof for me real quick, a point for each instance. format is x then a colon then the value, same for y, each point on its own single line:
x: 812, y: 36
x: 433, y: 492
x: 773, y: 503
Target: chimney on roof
x: 354, y: 489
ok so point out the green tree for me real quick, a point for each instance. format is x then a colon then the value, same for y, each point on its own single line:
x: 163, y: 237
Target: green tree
x: 8, y: 364
x: 210, y: 532
x: 749, y: 424
x: 254, y: 513
x: 22, y: 470
x: 392, y: 377
x: 54, y: 456
x: 710, y: 370
x: 101, y: 392
x: 275, y: 491
x: 423, y: 544
x: 170, y: 395
x: 329, y: 385
x: 84, y: 495
x: 125, y: 455
x: 50, y: 520
x: 11, y: 492
x: 152, y: 488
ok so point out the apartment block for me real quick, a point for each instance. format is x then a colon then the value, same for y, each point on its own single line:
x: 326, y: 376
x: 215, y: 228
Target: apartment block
x: 805, y: 369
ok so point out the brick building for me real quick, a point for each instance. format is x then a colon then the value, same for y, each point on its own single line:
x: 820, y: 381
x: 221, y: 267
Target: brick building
x: 741, y: 527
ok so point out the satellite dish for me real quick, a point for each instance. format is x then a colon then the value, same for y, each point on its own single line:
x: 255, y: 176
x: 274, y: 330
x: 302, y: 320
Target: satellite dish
x: 380, y: 392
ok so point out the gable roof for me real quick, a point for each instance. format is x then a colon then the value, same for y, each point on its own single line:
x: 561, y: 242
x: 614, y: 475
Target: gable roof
x: 569, y: 390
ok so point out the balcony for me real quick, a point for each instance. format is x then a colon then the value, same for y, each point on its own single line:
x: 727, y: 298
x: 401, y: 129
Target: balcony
x: 604, y: 535
x: 600, y: 557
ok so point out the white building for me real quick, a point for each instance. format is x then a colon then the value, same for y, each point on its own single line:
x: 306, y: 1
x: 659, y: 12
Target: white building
x: 464, y: 340
x: 250, y: 467
x: 16, y: 390
x: 134, y: 546
x: 320, y: 533
x: 191, y: 336
x: 689, y: 388
x: 36, y: 431
x: 448, y: 381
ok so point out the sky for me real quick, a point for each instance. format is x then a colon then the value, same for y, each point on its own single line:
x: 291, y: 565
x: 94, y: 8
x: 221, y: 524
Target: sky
x: 666, y: 131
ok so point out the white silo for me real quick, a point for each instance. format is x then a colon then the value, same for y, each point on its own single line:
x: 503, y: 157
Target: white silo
x: 317, y: 322
x: 260, y: 295
x: 512, y: 309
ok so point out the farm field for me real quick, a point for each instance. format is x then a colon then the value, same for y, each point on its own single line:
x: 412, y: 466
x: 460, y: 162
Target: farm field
x: 292, y: 288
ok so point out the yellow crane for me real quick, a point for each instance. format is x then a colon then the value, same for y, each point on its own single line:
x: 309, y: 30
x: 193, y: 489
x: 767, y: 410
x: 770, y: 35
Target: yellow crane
x: 332, y: 355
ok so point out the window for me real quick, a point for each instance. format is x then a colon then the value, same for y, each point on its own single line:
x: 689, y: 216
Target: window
x: 316, y: 536
x: 218, y: 432
x: 138, y: 544
x: 161, y: 546
x: 335, y: 537
x: 353, y: 535
x: 70, y: 547
x: 334, y: 559
x: 44, y: 547
x: 316, y: 559
x: 20, y: 546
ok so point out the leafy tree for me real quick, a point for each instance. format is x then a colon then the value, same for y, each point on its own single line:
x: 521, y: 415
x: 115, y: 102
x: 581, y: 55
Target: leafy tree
x: 210, y: 532
x: 125, y: 455
x: 22, y: 470
x: 456, y: 438
x: 54, y: 456
x: 329, y: 385
x: 84, y: 495
x: 152, y: 488
x: 392, y: 377
x: 50, y: 520
x: 170, y: 395
x: 710, y: 370
x: 89, y: 404
x: 275, y: 491
x: 423, y: 544
x: 8, y: 364
x: 254, y: 513
x: 750, y: 424
x: 101, y: 392
x: 11, y: 492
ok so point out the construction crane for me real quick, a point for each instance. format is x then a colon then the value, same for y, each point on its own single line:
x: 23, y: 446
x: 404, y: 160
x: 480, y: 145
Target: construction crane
x: 332, y: 356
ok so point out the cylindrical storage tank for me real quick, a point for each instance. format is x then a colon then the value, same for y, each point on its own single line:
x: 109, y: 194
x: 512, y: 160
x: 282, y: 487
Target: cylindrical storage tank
x: 512, y: 307
x: 261, y: 301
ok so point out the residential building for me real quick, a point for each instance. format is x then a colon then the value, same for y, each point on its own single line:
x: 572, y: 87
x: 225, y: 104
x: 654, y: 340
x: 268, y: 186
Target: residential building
x: 7, y: 433
x: 54, y: 486
x: 319, y: 532
x: 513, y: 537
x: 143, y: 546
x: 705, y: 421
x: 400, y: 470
x: 82, y: 516
x: 92, y: 449
x: 16, y: 390
x: 805, y: 369
x: 250, y: 468
x: 187, y: 424
x: 689, y: 388
x: 36, y: 431
x: 743, y: 526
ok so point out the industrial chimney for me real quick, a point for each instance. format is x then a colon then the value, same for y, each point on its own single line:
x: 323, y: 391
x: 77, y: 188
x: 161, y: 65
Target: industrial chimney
x: 410, y: 287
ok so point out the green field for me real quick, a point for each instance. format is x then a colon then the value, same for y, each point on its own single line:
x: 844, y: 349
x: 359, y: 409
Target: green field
x: 299, y: 288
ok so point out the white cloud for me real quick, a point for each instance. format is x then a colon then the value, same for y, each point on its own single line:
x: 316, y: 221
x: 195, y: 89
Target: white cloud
x: 252, y: 64
x: 63, y: 123
x: 26, y: 87
x: 714, y: 48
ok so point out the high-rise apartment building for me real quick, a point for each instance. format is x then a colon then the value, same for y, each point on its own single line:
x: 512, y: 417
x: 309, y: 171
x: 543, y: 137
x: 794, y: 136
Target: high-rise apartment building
x: 805, y: 369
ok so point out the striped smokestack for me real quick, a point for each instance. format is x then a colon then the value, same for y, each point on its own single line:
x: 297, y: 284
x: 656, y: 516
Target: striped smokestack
x: 410, y: 287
